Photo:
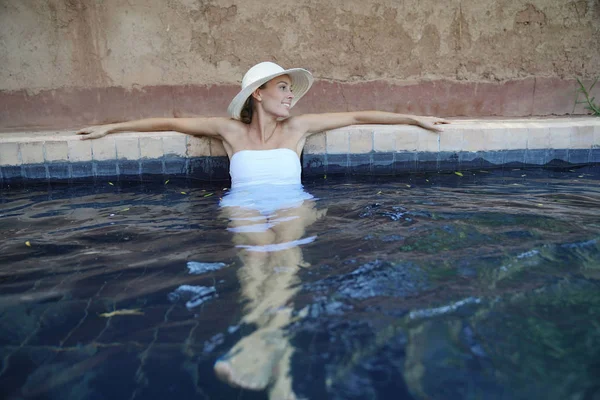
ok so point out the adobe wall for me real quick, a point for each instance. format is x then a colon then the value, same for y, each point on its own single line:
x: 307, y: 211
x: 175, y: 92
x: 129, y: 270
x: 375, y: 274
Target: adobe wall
x: 71, y: 62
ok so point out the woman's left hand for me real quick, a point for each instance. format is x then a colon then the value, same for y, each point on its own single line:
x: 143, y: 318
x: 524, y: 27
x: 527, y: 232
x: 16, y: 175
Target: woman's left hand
x: 430, y: 123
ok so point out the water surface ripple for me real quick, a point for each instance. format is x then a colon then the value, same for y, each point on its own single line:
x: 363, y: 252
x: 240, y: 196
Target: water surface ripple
x: 437, y: 286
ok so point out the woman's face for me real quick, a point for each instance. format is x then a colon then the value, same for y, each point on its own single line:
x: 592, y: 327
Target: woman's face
x: 276, y: 97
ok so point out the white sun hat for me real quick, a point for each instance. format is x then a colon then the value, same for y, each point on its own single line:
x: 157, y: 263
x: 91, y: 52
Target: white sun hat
x: 264, y: 72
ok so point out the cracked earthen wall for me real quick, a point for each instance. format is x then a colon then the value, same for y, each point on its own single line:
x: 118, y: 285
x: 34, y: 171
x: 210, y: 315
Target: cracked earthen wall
x: 71, y: 62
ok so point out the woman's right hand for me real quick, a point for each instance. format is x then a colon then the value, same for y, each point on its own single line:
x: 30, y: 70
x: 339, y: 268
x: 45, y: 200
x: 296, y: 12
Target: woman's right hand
x: 94, y: 132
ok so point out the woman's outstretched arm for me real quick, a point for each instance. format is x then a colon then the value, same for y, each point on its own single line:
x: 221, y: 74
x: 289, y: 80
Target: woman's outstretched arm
x: 214, y: 127
x: 313, y: 123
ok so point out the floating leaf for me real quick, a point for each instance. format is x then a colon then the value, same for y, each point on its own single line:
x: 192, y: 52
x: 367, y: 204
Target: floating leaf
x: 379, y: 192
x: 111, y: 184
x: 208, y: 194
x: 458, y: 173
x: 125, y: 209
x: 407, y: 185
x: 325, y: 176
x: 136, y: 311
x: 28, y: 244
x: 580, y: 176
x: 167, y: 181
x: 540, y: 205
x: 426, y: 180
x: 183, y: 192
x: 524, y: 175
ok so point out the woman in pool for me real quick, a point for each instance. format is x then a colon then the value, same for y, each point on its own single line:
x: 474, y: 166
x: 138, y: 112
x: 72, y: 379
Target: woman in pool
x: 267, y: 209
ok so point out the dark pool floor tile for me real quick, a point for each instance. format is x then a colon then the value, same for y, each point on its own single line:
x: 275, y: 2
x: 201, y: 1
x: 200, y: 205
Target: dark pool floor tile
x: 89, y: 328
x: 405, y: 162
x: 427, y: 161
x: 200, y: 168
x: 337, y: 164
x: 383, y: 164
x: 57, y: 321
x: 175, y: 166
x: 514, y: 158
x: 170, y: 382
x: 82, y: 170
x: 558, y: 156
x: 152, y: 167
x: 579, y: 156
x: 360, y: 164
x: 470, y: 160
x: 114, y: 373
x: 12, y: 171
x: 129, y: 168
x: 314, y: 164
x: 59, y: 171
x: 448, y: 161
x: 426, y: 166
x: 219, y: 169
x: 35, y: 171
x: 21, y: 364
x: 127, y: 329
x: 178, y: 333
x: 105, y: 168
x: 536, y: 157
x: 595, y: 155
x: 493, y: 158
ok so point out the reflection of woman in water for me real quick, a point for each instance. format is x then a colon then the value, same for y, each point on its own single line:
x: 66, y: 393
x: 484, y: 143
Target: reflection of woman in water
x: 264, y: 143
x: 269, y: 240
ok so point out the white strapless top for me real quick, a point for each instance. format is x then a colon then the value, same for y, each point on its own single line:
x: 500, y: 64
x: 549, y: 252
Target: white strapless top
x: 265, y: 180
x: 265, y: 167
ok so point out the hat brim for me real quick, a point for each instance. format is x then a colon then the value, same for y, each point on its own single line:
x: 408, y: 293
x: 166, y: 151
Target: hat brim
x: 301, y: 79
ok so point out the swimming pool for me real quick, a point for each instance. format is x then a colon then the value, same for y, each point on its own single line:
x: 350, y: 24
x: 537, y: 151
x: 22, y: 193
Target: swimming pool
x: 482, y: 284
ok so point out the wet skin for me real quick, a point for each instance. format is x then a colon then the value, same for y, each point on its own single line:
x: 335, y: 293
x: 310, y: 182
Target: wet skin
x: 262, y: 359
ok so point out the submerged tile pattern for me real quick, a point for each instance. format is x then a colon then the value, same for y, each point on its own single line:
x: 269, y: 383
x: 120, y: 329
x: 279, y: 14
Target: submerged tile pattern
x: 361, y: 149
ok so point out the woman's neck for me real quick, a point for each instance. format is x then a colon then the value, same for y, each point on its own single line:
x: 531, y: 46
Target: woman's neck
x: 262, y: 127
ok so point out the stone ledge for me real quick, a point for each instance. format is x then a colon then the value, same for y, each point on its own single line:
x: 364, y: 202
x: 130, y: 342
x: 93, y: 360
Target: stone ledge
x: 361, y: 149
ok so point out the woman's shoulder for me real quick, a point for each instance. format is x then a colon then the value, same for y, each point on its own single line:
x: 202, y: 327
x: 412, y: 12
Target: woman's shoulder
x: 293, y: 124
x: 231, y: 127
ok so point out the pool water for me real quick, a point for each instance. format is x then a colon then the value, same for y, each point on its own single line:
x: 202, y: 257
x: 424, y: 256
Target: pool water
x: 476, y: 285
